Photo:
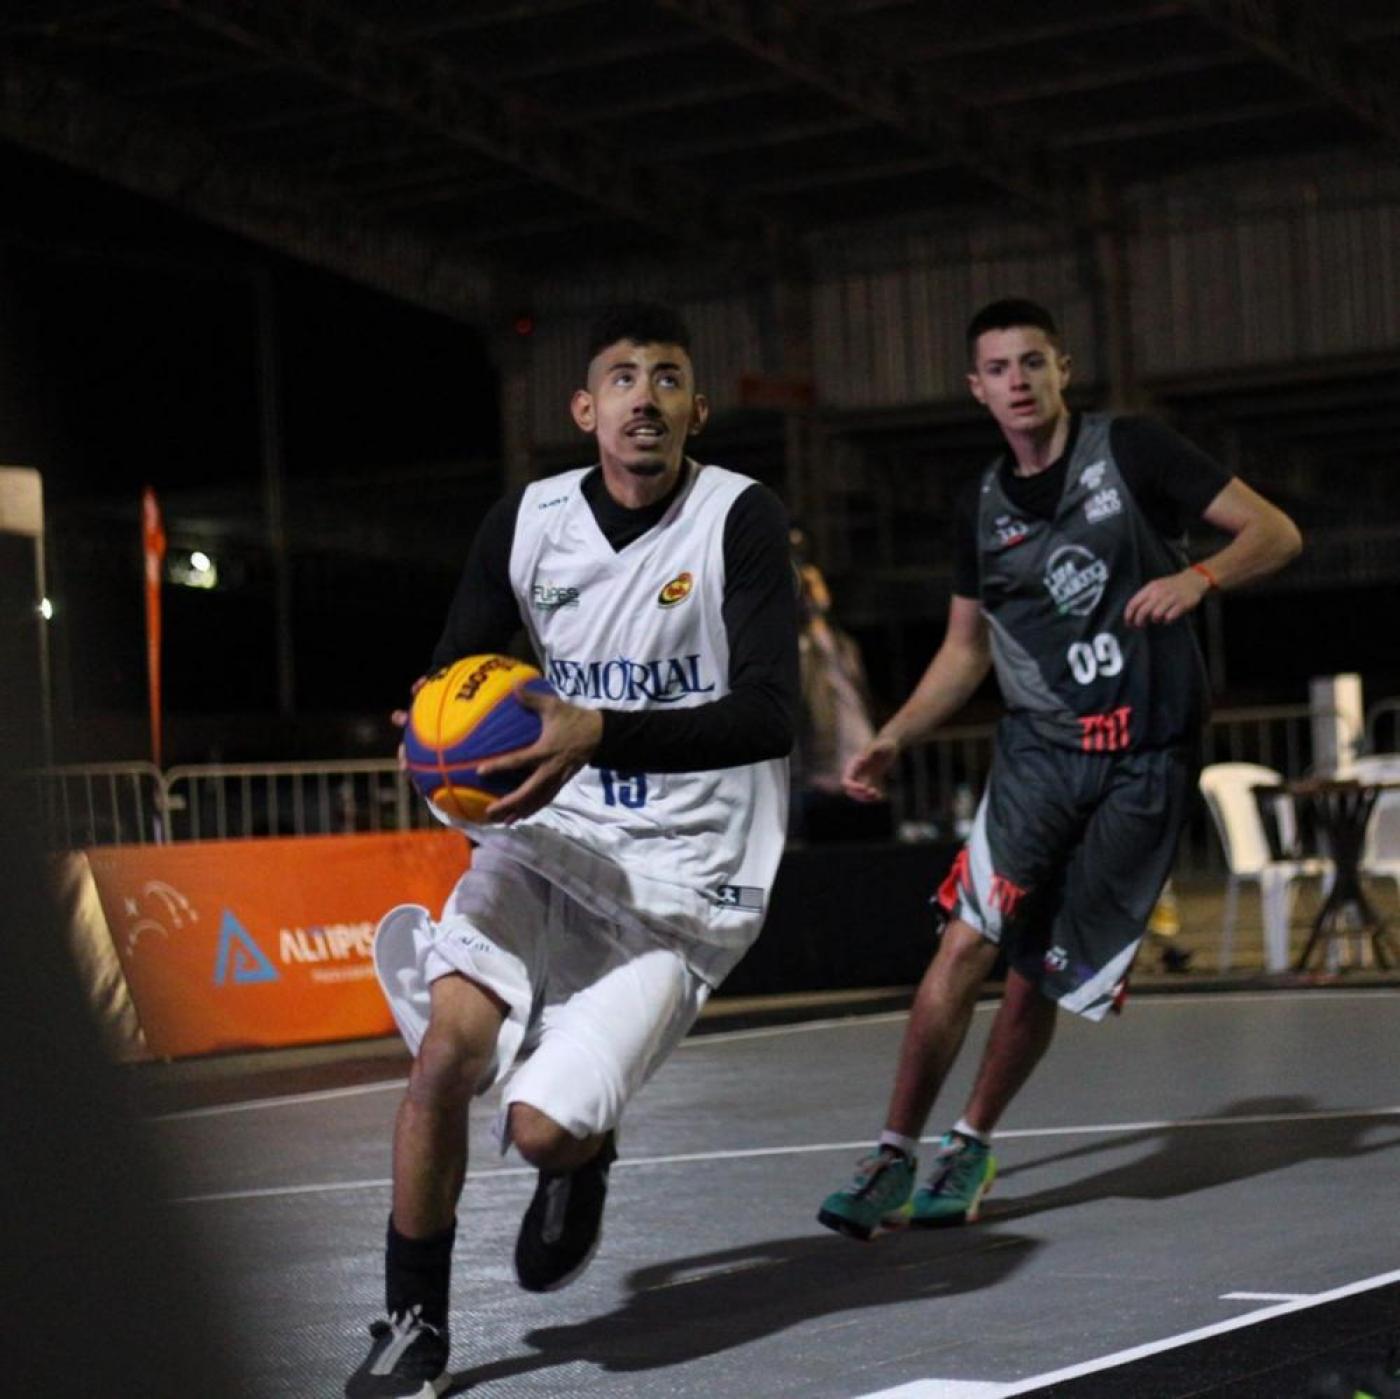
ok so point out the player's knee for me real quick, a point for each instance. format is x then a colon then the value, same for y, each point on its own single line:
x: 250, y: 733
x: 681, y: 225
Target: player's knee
x: 449, y: 1066
x: 964, y: 956
x: 541, y: 1140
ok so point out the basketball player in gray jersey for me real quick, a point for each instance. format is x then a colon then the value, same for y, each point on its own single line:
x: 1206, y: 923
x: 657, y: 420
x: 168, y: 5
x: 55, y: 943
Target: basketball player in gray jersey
x: 629, y: 870
x: 1072, y: 581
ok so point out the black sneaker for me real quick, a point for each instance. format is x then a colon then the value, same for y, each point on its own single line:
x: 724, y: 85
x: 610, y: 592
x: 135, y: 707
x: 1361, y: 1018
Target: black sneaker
x: 560, y: 1232
x: 408, y: 1360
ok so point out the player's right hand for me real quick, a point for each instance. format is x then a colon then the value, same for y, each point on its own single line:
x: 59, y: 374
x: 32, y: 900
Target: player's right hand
x: 867, y: 773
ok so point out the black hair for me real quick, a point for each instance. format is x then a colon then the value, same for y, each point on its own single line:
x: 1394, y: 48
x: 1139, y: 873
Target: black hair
x: 1003, y: 315
x: 643, y: 323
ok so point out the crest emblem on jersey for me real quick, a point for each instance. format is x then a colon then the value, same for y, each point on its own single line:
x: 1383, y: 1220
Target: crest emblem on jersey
x: 1075, y: 579
x: 1091, y: 478
x: 677, y: 590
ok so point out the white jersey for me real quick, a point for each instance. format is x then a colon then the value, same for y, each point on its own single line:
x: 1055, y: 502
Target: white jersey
x: 691, y: 854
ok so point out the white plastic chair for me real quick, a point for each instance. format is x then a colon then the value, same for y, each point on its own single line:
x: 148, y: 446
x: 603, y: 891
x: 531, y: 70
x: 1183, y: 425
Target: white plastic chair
x: 1228, y: 789
x: 1381, y: 857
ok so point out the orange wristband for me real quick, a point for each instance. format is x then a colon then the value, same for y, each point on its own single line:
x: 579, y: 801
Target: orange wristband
x: 1207, y: 575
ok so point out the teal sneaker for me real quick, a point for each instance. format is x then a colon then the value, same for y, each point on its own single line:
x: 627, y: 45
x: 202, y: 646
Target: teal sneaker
x: 882, y: 1185
x: 963, y: 1172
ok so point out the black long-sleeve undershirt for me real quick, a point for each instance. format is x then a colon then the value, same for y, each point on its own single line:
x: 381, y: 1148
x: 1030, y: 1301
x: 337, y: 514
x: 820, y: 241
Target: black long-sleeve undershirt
x: 756, y: 720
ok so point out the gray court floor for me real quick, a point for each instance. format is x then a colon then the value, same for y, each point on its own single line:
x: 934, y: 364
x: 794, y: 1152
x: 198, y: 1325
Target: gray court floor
x: 1204, y: 1162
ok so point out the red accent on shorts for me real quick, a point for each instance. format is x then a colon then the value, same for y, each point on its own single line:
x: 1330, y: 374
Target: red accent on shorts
x: 1005, y: 895
x: 954, y: 883
x: 1106, y: 733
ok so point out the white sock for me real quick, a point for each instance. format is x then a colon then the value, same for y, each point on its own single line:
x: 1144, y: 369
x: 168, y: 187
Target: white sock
x: 962, y: 1128
x: 908, y: 1145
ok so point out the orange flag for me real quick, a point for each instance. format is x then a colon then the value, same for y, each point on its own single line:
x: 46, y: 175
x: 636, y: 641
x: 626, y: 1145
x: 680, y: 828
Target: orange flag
x: 153, y: 548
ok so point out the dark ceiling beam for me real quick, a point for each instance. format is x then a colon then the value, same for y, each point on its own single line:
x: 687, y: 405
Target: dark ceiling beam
x: 717, y: 93
x: 479, y: 16
x: 1179, y: 123
x: 287, y: 118
x: 972, y: 29
x: 369, y: 185
x: 1374, y: 27
x: 1106, y: 75
x: 340, y: 164
x: 829, y: 178
x: 131, y: 28
x: 212, y: 75
x: 546, y: 64
x: 1301, y: 37
x: 834, y: 58
x: 512, y: 233
x: 33, y: 21
x: 746, y: 139
x: 417, y: 86
x: 65, y: 120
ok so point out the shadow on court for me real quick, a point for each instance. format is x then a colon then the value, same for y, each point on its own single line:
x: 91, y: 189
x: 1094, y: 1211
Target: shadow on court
x: 694, y: 1307
x: 1191, y: 1159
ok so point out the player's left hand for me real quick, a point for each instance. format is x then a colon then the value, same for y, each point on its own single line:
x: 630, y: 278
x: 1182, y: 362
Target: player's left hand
x: 1166, y: 599
x: 568, y: 739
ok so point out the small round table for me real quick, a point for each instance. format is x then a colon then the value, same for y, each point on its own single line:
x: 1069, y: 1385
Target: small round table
x: 1339, y: 811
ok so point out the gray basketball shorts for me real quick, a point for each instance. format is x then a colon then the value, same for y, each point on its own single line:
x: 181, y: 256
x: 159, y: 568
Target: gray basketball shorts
x: 1067, y: 857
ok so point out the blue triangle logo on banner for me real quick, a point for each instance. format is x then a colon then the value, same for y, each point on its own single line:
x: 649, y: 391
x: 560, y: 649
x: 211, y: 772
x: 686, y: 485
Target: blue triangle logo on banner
x: 239, y: 956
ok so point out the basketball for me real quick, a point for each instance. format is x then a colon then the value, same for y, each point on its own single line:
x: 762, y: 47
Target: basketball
x: 462, y: 714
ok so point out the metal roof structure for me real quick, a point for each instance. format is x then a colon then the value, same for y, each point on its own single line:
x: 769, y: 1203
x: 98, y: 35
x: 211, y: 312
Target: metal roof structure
x: 444, y: 150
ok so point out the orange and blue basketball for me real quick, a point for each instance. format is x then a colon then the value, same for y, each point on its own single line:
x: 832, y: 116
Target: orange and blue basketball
x: 462, y: 714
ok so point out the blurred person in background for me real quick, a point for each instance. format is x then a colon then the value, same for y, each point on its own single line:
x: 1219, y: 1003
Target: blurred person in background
x: 835, y: 719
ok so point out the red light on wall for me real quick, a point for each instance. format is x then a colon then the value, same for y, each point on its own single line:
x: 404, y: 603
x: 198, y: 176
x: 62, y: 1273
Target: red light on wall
x: 524, y: 325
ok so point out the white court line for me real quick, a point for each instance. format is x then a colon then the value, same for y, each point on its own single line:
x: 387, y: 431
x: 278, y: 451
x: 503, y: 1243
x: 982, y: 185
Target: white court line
x: 768, y: 1032
x: 948, y: 1389
x: 754, y: 1153
x: 1264, y: 1296
x: 326, y: 1094
x: 320, y: 1095
x: 1156, y: 1001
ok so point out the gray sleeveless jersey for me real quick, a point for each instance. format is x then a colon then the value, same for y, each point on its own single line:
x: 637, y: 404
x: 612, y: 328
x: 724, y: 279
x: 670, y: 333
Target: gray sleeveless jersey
x: 1053, y: 592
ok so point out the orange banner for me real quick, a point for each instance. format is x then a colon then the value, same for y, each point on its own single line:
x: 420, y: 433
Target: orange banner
x: 153, y: 552
x: 245, y: 944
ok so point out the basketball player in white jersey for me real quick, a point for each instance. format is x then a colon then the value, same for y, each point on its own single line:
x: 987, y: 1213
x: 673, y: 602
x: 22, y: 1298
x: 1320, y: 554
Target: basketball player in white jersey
x: 618, y: 884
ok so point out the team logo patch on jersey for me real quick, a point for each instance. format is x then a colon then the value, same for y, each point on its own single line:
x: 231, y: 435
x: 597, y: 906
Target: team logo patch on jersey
x: 1103, y: 504
x: 677, y: 590
x: 1075, y: 579
x: 1091, y: 478
x: 1009, y: 531
x: 549, y: 597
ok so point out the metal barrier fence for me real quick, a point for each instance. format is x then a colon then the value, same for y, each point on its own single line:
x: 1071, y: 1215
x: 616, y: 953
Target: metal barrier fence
x: 134, y: 803
x: 261, y: 799
x: 101, y: 804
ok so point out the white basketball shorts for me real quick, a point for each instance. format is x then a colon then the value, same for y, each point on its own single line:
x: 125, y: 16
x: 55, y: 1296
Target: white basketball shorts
x: 595, y: 1004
